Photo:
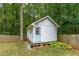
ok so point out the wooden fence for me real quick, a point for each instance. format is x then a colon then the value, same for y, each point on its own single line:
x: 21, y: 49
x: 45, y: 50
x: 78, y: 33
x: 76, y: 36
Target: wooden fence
x: 8, y: 38
x: 72, y: 39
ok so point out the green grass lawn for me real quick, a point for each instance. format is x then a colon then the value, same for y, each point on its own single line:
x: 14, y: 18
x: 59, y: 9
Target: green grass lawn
x: 18, y: 49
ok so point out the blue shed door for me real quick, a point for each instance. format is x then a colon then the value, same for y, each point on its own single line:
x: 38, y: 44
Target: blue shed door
x: 37, y: 34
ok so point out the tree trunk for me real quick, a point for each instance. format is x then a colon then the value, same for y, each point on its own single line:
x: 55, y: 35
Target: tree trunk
x: 4, y: 19
x: 21, y: 21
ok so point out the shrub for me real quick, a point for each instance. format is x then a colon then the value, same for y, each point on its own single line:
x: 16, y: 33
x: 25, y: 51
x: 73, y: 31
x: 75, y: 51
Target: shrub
x: 60, y: 45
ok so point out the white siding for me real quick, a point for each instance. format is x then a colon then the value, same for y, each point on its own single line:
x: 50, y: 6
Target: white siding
x: 33, y: 34
x: 48, y: 31
x: 46, y: 22
x: 30, y: 35
x: 48, y: 34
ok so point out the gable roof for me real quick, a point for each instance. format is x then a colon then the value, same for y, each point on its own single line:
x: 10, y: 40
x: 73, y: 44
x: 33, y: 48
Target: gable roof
x: 43, y: 19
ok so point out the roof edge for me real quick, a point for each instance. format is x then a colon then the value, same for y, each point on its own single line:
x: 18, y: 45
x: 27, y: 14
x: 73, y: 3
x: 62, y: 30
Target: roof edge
x: 42, y: 19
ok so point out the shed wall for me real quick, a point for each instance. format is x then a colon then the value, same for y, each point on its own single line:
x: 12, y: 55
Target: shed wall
x: 48, y: 31
x: 30, y: 35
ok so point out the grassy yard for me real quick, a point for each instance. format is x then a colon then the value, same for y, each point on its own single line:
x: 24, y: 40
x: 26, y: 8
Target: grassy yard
x: 18, y: 49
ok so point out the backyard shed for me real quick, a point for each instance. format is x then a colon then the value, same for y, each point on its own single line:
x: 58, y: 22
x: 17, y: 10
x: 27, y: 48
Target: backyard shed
x: 43, y: 30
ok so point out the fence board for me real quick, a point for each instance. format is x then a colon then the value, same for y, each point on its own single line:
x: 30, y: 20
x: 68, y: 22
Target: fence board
x: 8, y: 38
x: 72, y: 39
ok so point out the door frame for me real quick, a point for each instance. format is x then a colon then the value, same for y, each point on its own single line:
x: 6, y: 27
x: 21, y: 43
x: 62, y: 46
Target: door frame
x: 38, y: 30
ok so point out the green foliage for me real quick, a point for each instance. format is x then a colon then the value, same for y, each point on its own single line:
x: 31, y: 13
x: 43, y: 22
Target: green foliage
x: 60, y: 45
x: 9, y: 23
x: 65, y: 15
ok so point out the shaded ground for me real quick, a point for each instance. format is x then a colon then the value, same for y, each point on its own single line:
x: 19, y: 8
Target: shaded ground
x: 18, y: 49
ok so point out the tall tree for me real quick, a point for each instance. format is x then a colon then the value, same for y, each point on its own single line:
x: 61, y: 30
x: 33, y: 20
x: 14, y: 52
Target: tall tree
x: 21, y: 21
